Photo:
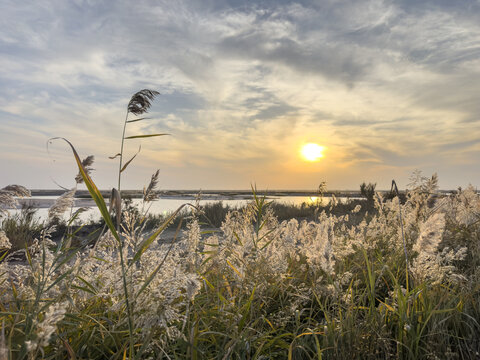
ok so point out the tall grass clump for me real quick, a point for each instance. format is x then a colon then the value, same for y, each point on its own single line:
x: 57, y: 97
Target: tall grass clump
x: 21, y: 228
x: 259, y: 288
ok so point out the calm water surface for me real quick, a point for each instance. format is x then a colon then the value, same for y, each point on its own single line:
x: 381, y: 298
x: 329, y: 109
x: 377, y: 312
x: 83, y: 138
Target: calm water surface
x: 161, y: 206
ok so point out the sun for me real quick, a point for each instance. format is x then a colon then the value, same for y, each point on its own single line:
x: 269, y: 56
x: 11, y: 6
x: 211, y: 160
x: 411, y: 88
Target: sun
x: 312, y: 152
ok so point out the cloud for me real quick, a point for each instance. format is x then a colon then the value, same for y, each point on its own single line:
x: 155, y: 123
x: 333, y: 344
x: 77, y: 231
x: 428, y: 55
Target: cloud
x: 244, y: 83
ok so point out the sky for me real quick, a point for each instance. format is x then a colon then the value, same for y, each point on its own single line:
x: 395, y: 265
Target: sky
x: 386, y: 87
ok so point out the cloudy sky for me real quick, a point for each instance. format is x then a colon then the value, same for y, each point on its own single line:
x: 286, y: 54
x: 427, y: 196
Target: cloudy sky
x: 386, y: 86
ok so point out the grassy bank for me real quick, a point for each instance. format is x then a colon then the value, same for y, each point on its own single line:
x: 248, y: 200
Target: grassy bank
x: 399, y: 281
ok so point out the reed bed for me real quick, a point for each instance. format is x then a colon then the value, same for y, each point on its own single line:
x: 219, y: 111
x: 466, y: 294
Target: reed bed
x: 258, y: 288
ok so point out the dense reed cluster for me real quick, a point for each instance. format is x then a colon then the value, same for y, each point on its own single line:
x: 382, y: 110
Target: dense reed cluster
x: 401, y: 283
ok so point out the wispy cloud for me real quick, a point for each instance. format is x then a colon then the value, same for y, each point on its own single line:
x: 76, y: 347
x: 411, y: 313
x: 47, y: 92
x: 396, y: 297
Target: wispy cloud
x: 386, y: 86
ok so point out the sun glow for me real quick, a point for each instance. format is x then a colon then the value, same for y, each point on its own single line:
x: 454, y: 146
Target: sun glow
x: 312, y: 152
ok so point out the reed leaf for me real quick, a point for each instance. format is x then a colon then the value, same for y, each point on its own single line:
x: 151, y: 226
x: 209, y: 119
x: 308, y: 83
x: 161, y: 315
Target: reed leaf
x: 90, y: 286
x: 135, y: 120
x: 93, y: 190
x: 69, y: 349
x: 246, y: 310
x: 129, y: 161
x: 83, y: 288
x: 147, y: 242
x: 76, y: 214
x: 144, y: 136
x: 60, y: 278
x: 116, y: 204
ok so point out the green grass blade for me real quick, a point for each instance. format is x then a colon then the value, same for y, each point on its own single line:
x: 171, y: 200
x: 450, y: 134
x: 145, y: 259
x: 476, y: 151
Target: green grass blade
x: 4, y: 255
x: 87, y: 283
x: 64, y: 260
x: 75, y: 216
x: 246, y: 310
x: 93, y: 190
x: 147, y: 242
x: 238, y: 238
x: 83, y: 288
x: 129, y: 161
x: 60, y: 278
x: 116, y: 203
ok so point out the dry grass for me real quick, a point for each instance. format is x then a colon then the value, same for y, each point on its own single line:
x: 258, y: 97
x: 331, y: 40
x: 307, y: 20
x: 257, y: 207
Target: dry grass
x: 399, y: 281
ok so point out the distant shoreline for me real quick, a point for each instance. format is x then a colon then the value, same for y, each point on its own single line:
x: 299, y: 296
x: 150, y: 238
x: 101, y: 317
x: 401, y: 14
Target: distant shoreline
x: 205, y: 194
x: 83, y: 198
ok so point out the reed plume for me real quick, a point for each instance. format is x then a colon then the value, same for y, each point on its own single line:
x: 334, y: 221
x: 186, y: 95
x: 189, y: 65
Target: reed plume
x: 139, y: 104
x: 87, y: 164
x: 149, y: 193
x: 9, y: 193
x: 141, y: 101
x: 62, y: 204
x: 4, y: 242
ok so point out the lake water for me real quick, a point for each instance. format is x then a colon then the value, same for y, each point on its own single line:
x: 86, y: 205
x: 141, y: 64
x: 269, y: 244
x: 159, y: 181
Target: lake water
x: 162, y: 205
